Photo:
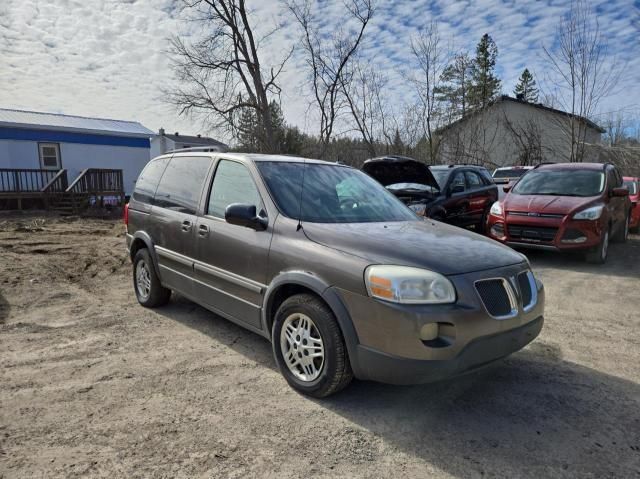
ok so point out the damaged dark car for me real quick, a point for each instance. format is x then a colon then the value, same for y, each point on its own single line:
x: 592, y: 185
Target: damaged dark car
x: 460, y: 195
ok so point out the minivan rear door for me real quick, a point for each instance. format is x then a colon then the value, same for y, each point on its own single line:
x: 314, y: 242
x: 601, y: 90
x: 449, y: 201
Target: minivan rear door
x: 231, y: 260
x: 173, y: 218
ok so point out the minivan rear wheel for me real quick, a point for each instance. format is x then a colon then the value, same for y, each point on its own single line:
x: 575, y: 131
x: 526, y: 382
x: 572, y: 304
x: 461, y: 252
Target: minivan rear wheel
x: 309, y: 347
x: 149, y: 290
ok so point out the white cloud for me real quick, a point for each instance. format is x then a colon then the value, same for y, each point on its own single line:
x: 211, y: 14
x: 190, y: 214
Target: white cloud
x: 106, y: 57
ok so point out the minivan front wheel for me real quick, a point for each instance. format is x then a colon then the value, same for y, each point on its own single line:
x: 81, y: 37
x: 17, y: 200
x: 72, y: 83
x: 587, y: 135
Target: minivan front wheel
x: 149, y: 291
x: 309, y: 348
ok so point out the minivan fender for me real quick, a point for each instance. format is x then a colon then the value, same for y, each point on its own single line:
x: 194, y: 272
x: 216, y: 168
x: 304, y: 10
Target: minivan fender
x: 148, y: 242
x: 330, y: 295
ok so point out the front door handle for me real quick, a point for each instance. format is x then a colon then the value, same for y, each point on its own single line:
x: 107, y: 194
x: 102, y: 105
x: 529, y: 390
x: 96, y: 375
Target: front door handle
x: 186, y: 225
x: 203, y: 231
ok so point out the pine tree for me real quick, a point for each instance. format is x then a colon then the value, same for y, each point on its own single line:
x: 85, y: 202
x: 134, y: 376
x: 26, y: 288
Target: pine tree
x: 526, y: 88
x: 485, y: 84
x: 278, y: 125
x: 456, y: 82
x: 397, y: 147
x: 247, y: 129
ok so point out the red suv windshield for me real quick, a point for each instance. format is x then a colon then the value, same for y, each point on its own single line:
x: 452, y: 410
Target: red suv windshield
x: 561, y: 183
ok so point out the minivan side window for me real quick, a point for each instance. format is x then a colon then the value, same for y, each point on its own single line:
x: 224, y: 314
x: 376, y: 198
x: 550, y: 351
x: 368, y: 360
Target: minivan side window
x: 232, y: 183
x: 147, y: 182
x: 182, y: 182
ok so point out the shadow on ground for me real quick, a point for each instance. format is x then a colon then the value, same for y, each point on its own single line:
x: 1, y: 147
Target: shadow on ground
x: 4, y: 309
x: 623, y: 260
x: 532, y: 415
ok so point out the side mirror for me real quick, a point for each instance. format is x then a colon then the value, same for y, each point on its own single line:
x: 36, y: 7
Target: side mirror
x: 245, y: 215
x: 622, y: 192
x: 507, y: 188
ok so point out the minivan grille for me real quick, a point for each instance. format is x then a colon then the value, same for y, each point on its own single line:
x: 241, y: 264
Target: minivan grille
x: 532, y: 233
x: 495, y: 297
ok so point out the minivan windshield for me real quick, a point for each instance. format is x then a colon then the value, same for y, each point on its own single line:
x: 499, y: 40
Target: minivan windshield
x: 331, y: 194
x: 567, y: 182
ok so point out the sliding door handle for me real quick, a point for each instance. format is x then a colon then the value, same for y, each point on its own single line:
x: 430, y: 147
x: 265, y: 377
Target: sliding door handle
x: 203, y: 231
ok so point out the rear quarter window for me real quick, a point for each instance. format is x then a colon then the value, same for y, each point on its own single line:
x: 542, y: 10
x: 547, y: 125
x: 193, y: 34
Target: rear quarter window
x: 182, y: 182
x: 148, y: 180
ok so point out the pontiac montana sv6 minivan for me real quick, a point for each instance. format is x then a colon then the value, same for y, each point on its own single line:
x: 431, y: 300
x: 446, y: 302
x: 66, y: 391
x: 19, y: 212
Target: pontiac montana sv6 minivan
x: 334, y: 270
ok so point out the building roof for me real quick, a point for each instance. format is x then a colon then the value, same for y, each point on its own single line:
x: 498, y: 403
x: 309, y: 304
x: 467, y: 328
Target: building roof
x: 540, y: 106
x: 196, y: 140
x: 59, y: 122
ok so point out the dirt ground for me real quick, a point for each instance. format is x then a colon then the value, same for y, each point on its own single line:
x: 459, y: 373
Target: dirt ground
x: 92, y: 384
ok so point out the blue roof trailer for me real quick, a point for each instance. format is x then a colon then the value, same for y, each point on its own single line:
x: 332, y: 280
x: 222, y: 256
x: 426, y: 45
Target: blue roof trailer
x: 52, y: 141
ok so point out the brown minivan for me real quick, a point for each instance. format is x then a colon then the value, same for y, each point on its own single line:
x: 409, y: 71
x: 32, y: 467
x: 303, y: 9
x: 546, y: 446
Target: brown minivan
x: 333, y: 269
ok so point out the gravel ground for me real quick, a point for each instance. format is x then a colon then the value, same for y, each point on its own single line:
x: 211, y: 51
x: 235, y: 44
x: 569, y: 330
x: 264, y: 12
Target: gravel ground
x: 94, y: 385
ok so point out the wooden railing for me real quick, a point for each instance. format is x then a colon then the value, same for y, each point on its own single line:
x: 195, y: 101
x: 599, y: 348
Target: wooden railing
x: 22, y: 180
x: 58, y: 183
x: 98, y: 181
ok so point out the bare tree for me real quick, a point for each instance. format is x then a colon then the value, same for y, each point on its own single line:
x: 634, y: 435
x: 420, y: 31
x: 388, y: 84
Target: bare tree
x: 526, y: 135
x: 432, y: 60
x: 364, y: 93
x: 472, y: 142
x: 328, y: 56
x: 221, y: 73
x: 616, y: 125
x: 581, y: 72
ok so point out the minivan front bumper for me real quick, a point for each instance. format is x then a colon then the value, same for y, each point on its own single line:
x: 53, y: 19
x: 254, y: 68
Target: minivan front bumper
x: 378, y: 366
x: 391, y: 347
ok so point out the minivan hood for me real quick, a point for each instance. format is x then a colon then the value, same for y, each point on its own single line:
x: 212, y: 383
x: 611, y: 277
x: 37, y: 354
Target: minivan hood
x: 389, y: 171
x: 424, y: 244
x: 560, y: 205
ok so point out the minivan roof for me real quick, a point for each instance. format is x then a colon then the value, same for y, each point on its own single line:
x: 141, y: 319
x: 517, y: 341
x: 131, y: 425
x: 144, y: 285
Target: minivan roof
x: 256, y: 157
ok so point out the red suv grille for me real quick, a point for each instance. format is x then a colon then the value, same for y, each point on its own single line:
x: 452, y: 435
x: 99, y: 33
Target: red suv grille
x: 532, y: 233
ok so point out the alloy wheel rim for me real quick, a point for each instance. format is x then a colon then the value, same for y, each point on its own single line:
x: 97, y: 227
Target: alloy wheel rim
x: 302, y: 347
x: 143, y: 279
x: 605, y: 245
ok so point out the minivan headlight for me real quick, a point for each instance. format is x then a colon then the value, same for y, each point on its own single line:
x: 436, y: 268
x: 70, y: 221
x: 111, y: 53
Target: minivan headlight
x: 592, y: 213
x: 407, y: 285
x: 496, y: 209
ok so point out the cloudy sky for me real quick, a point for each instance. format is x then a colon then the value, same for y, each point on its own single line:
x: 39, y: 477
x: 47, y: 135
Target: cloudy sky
x: 107, y: 58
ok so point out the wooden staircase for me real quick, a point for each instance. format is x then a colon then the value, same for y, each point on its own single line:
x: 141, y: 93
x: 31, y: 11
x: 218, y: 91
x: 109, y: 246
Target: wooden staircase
x: 69, y: 203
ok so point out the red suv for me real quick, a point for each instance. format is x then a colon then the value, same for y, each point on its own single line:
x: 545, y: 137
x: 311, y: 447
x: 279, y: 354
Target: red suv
x: 633, y: 185
x: 564, y: 206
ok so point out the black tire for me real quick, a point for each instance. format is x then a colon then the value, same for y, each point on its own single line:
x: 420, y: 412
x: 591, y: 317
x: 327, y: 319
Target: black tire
x: 335, y: 372
x: 598, y: 255
x: 157, y: 294
x: 623, y: 233
x: 482, y: 229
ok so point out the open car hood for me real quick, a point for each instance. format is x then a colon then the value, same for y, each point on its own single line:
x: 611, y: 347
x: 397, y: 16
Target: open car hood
x: 398, y: 169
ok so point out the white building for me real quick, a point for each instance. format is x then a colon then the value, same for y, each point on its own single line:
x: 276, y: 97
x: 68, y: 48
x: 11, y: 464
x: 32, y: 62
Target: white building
x: 513, y: 132
x: 48, y: 141
x: 163, y: 142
